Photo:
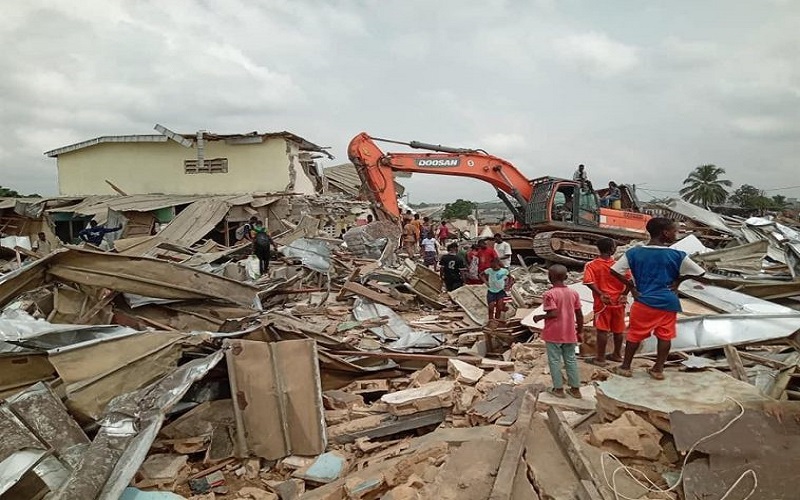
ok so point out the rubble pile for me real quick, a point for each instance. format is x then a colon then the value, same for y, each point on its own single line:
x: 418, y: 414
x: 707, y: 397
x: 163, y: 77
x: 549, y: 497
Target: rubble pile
x: 168, y: 366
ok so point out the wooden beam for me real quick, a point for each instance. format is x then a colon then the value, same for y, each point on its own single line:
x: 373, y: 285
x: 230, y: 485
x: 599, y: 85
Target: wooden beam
x: 87, y: 315
x: 380, y: 298
x: 115, y: 188
x: 761, y: 360
x: 504, y: 480
x: 385, y: 426
x: 735, y: 363
x: 572, y: 448
x: 406, y: 356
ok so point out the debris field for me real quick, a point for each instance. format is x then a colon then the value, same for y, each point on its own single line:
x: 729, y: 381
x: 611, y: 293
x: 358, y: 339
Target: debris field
x: 166, y: 368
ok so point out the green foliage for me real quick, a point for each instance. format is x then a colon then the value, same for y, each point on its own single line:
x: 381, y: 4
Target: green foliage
x: 10, y: 193
x: 748, y: 196
x: 705, y: 186
x: 779, y: 202
x: 459, y: 209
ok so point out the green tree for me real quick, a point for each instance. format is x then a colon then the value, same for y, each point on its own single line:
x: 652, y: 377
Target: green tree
x: 747, y: 196
x: 8, y: 193
x: 779, y: 202
x: 459, y: 209
x: 705, y: 186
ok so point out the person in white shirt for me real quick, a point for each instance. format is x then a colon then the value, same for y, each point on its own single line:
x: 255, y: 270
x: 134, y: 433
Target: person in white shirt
x: 503, y: 249
x: 429, y: 251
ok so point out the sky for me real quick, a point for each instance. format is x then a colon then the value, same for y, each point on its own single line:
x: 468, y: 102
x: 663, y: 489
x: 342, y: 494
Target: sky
x: 639, y: 92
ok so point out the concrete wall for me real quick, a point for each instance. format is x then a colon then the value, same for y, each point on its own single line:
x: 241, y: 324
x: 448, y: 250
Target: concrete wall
x: 157, y: 167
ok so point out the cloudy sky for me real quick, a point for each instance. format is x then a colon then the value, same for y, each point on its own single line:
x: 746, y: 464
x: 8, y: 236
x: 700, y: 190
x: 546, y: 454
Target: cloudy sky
x: 641, y: 92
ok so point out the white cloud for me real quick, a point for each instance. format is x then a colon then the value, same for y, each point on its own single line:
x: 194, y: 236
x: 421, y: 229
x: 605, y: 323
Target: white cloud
x: 663, y: 92
x: 596, y: 54
x: 500, y: 144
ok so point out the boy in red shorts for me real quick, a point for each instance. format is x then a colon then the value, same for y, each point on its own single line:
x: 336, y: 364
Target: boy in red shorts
x: 657, y: 271
x: 610, y: 296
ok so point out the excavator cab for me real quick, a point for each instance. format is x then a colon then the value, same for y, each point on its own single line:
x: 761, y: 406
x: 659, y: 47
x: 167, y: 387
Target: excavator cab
x: 562, y: 201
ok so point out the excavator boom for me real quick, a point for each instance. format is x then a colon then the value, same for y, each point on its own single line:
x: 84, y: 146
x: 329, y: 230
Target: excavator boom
x: 377, y: 168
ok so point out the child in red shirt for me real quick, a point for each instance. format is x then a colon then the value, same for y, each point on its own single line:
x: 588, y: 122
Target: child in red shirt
x: 563, y: 323
x: 486, y: 256
x: 610, y: 296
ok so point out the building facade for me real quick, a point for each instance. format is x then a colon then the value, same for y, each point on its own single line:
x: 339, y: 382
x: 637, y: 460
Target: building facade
x: 197, y: 164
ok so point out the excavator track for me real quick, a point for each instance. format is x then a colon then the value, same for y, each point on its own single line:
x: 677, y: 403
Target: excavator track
x: 571, y: 248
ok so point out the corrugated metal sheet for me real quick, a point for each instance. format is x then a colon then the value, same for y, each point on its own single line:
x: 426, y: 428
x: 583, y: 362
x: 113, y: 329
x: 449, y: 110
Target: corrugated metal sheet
x: 345, y: 178
x: 195, y: 221
x: 93, y: 205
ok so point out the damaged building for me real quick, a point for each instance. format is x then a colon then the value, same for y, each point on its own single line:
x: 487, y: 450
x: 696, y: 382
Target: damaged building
x: 201, y: 163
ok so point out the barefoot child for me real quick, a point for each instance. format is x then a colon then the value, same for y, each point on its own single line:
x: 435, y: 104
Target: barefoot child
x: 610, y: 296
x: 498, y: 280
x: 657, y: 271
x: 563, y: 323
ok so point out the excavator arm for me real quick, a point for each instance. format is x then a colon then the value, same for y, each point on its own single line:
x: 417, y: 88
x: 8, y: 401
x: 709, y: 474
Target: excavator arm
x: 377, y: 169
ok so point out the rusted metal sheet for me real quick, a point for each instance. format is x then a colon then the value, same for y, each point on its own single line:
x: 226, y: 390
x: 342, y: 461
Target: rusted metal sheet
x: 129, y: 429
x: 145, y: 276
x: 128, y: 274
x: 45, y: 414
x: 277, y: 397
x: 97, y: 373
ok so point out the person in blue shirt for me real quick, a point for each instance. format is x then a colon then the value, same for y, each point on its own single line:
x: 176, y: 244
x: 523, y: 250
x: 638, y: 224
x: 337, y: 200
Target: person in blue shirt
x: 657, y: 270
x: 94, y: 233
x: 499, y: 281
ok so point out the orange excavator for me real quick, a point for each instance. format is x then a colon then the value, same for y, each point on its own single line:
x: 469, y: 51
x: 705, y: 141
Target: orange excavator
x: 556, y: 220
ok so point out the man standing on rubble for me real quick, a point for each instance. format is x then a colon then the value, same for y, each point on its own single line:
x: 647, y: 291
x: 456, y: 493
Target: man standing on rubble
x: 261, y: 246
x: 503, y: 249
x: 657, y: 271
x: 453, y: 268
x: 95, y: 233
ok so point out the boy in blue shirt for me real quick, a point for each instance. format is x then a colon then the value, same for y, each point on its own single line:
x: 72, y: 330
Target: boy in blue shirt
x: 657, y: 271
x: 498, y: 279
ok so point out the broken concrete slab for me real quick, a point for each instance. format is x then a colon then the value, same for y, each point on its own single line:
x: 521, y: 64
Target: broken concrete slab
x: 628, y: 436
x: 464, y: 372
x: 429, y: 396
x: 421, y: 377
x: 160, y: 469
x: 586, y: 404
x: 465, y: 473
x: 697, y: 392
x: 763, y: 440
x: 341, y: 400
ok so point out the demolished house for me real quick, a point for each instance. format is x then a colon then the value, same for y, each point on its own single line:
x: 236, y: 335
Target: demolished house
x: 164, y: 366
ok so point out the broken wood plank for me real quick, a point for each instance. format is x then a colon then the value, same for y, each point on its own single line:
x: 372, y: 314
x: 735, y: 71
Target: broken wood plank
x: 344, y: 292
x: 407, y: 356
x: 735, y: 363
x: 109, y: 297
x: 571, y: 446
x: 380, y: 298
x: 762, y: 360
x: 376, y: 426
x: 504, y: 481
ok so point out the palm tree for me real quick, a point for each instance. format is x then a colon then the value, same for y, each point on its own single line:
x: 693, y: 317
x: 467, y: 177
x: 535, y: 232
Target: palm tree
x: 704, y: 186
